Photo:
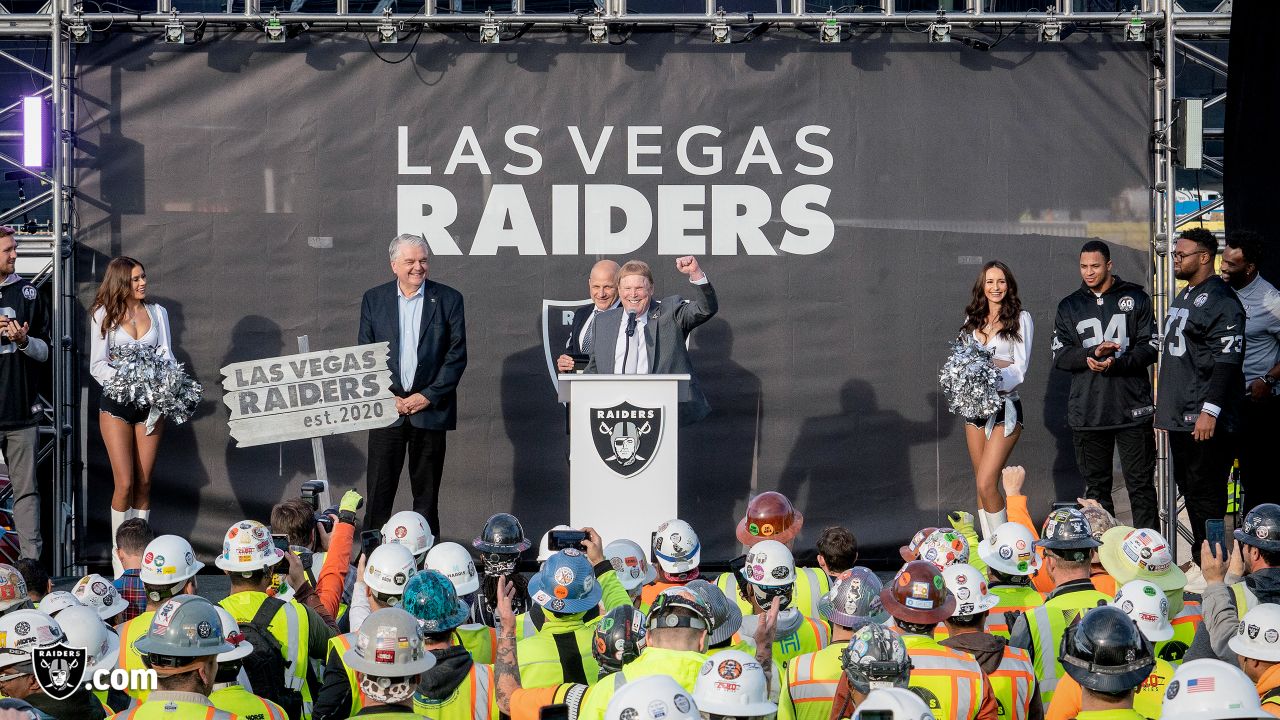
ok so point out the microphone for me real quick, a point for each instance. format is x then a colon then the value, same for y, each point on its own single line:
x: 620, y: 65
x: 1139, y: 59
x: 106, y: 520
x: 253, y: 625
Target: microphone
x: 631, y: 324
x: 626, y: 348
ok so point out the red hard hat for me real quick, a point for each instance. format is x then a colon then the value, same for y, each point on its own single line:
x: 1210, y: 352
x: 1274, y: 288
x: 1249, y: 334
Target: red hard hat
x: 918, y: 595
x: 770, y: 516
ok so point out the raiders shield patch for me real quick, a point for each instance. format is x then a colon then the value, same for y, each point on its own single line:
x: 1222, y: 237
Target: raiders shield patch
x: 59, y: 669
x: 557, y: 325
x: 626, y: 436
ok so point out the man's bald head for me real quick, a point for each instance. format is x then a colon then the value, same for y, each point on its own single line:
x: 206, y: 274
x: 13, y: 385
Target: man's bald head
x: 603, y: 284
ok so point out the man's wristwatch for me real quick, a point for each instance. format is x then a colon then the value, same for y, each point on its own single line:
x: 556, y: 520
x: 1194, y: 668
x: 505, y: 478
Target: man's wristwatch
x: 1270, y: 381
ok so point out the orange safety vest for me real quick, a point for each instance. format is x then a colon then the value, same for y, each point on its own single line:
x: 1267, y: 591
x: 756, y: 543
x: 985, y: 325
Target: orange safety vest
x: 1012, y: 682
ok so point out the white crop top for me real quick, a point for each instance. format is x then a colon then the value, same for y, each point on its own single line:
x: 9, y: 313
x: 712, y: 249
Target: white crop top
x: 100, y: 347
x: 1014, y: 351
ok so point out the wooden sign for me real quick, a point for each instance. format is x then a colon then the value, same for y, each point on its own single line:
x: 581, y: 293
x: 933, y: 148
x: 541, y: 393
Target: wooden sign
x: 309, y: 395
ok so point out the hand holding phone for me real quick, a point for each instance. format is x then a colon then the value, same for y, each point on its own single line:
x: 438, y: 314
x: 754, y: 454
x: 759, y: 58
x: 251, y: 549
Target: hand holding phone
x: 369, y: 540
x: 1215, y: 532
x: 562, y: 539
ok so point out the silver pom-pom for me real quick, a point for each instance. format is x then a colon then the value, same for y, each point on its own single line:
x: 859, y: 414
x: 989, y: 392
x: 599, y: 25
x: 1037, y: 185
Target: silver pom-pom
x: 145, y: 378
x: 969, y: 378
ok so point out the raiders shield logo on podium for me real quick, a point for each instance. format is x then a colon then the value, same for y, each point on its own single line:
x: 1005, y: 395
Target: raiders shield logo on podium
x: 626, y: 436
x: 59, y: 669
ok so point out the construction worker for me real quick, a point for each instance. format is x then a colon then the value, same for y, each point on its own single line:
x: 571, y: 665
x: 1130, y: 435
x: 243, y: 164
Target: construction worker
x: 100, y: 594
x: 733, y: 687
x: 1100, y: 521
x: 454, y: 562
x: 632, y: 565
x: 1143, y: 554
x: 325, y: 554
x: 892, y: 704
x: 1009, y: 669
x: 13, y: 590
x: 677, y: 550
x: 1068, y: 547
x: 181, y: 645
x: 770, y: 516
x: 169, y: 568
x: 618, y: 638
x: 500, y: 544
x: 456, y: 687
x: 228, y: 693
x: 568, y: 585
x: 951, y: 683
x: 837, y: 552
x: 247, y: 558
x: 726, y: 621
x: 384, y: 575
x: 944, y: 546
x: 1257, y: 644
x: 412, y: 530
x: 84, y: 629
x: 1009, y: 553
x: 770, y: 572
x: 390, y: 661
x: 1232, y: 589
x: 1222, y: 692
x: 1110, y: 658
x: 874, y: 658
x: 57, y: 601
x: 21, y: 633
x: 656, y: 697
x: 853, y: 602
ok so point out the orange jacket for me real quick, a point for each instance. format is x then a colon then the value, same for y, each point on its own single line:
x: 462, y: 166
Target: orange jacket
x: 1017, y: 506
x: 1269, y: 681
x: 337, y: 563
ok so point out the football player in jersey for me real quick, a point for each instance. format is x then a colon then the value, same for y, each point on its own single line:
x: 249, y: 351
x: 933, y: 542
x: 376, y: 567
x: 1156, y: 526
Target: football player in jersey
x: 1103, y: 336
x: 1200, y: 378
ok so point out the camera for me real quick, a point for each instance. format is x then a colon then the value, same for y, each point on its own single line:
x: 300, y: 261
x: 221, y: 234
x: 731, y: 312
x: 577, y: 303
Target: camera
x: 323, y: 519
x: 311, y: 491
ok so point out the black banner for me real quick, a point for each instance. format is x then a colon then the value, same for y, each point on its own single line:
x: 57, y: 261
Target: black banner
x: 841, y: 198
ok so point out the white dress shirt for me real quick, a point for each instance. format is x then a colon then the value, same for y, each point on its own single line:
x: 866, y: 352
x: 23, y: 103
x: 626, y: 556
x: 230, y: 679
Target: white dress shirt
x: 410, y: 327
x: 637, y: 358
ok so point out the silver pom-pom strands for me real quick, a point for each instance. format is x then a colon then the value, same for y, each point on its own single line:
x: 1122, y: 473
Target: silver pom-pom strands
x: 146, y: 378
x: 969, y: 378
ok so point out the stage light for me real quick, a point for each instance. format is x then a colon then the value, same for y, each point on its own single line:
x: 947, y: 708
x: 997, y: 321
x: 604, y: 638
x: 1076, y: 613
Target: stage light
x: 720, y: 29
x: 274, y: 28
x: 33, y: 132
x: 1051, y: 30
x: 78, y: 29
x: 940, y: 29
x: 598, y: 31
x: 1136, y: 30
x: 489, y: 29
x: 387, y: 32
x: 830, y: 31
x: 174, y: 33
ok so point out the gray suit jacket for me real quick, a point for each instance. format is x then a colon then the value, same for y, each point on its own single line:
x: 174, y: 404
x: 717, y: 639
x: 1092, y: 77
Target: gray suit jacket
x: 670, y: 321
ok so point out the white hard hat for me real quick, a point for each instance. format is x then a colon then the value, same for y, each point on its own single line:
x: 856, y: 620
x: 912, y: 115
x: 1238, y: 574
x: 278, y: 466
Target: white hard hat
x: 13, y: 588
x: 1147, y: 605
x: 388, y: 569
x: 24, y: 630
x: 57, y: 601
x: 1010, y: 550
x: 83, y: 628
x: 454, y: 562
x: 676, y: 547
x: 410, y: 529
x: 653, y: 697
x: 168, y: 560
x: 769, y: 564
x: 544, y: 545
x: 970, y: 588
x: 98, y: 593
x: 944, y: 546
x: 1211, y: 690
x: 247, y: 547
x: 904, y: 704
x: 630, y: 564
x: 231, y: 633
x: 1257, y: 636
x: 734, y: 685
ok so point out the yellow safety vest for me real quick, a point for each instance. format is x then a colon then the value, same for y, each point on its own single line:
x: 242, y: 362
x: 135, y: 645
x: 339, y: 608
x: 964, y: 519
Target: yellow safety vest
x: 391, y: 715
x: 1012, y: 598
x: 288, y: 627
x: 949, y: 682
x: 811, y: 636
x: 1012, y: 683
x: 1184, y: 631
x: 473, y: 699
x: 173, y: 710
x: 540, y: 662
x: 479, y: 640
x: 236, y: 700
x: 127, y: 658
x: 340, y: 644
x: 811, y: 585
x: 682, y: 665
x: 1047, y: 624
x: 811, y: 681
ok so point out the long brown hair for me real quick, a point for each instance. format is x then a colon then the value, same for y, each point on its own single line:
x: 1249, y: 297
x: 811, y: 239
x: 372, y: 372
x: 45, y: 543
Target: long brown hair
x: 114, y: 292
x: 1010, y: 309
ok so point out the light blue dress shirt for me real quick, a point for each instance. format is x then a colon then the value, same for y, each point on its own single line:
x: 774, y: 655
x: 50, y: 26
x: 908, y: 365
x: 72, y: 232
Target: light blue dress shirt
x: 410, y: 327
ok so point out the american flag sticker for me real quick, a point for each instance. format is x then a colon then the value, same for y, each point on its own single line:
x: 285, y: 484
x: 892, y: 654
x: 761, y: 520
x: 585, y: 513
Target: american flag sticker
x: 1204, y: 684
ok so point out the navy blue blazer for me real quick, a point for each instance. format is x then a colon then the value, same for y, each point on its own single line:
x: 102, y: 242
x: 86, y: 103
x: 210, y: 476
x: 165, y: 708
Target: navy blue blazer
x: 442, y: 348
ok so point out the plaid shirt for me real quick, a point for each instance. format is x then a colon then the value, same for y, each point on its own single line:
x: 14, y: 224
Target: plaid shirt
x: 132, y: 590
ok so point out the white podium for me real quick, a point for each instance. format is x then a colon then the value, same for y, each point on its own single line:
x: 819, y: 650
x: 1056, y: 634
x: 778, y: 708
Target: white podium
x: 623, y: 451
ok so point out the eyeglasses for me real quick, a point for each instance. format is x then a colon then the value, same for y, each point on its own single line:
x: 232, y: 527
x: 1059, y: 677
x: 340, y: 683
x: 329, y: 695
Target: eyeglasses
x: 1178, y: 256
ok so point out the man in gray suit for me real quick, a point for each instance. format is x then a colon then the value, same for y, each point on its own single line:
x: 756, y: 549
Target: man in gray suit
x: 647, y: 336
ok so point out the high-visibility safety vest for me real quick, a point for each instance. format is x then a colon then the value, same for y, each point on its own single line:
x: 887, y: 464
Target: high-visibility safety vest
x: 811, y: 681
x: 949, y: 682
x: 237, y: 700
x: 1013, y: 598
x: 682, y: 665
x: 340, y: 644
x: 1184, y: 631
x: 1147, y: 701
x: 129, y: 659
x: 479, y: 640
x: 811, y: 636
x: 559, y: 653
x: 1047, y: 624
x: 396, y: 714
x: 288, y: 627
x: 474, y: 699
x: 811, y: 585
x: 1012, y: 682
x: 173, y: 710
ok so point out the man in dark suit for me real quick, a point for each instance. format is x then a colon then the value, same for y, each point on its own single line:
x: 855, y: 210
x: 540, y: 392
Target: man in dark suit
x: 647, y: 336
x: 423, y: 320
x: 603, y: 284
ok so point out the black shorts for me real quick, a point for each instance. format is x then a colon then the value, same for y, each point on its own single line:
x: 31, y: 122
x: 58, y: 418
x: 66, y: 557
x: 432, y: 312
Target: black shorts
x: 120, y: 411
x: 982, y: 422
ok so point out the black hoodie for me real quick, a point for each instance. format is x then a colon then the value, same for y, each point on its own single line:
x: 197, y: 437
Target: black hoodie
x: 451, y: 668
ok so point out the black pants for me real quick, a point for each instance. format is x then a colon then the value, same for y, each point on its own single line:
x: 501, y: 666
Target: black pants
x: 1259, y: 458
x: 1137, y: 446
x: 1200, y: 468
x: 387, y: 450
